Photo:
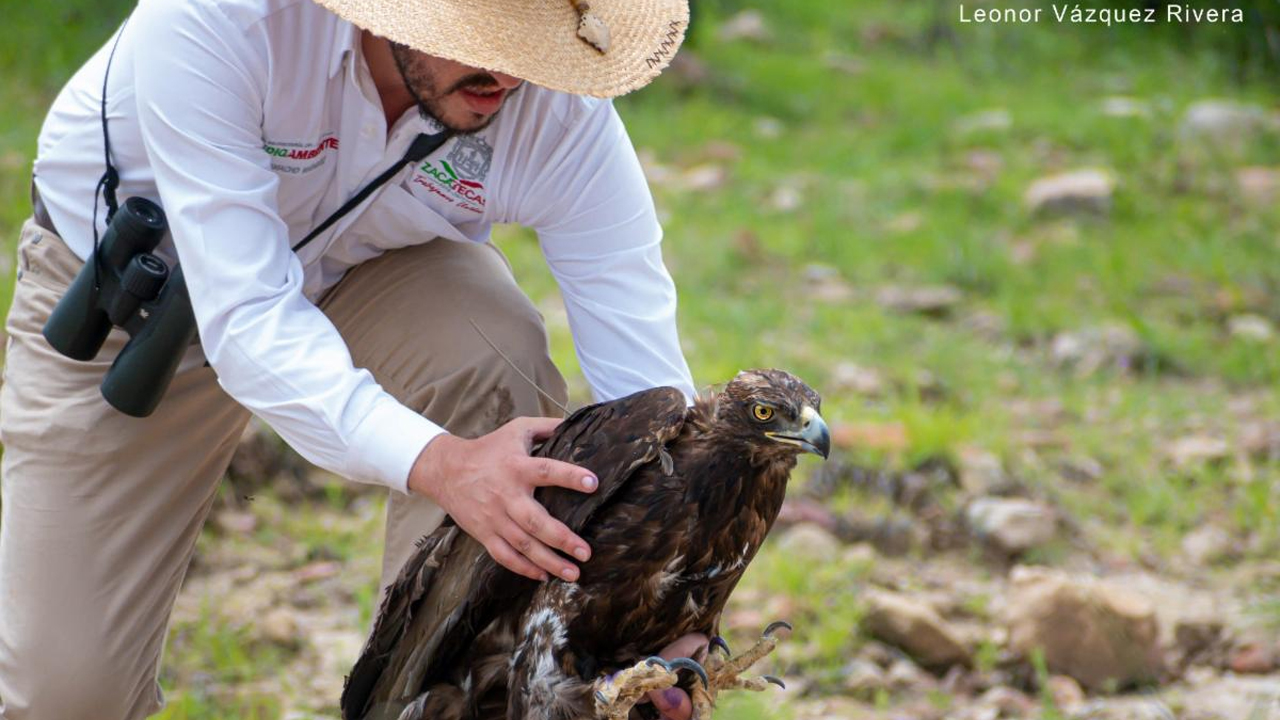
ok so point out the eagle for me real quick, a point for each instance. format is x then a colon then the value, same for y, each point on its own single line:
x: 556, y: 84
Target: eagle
x: 686, y: 496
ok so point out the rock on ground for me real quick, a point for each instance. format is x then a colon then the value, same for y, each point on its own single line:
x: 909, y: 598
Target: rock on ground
x: 1097, y: 633
x: 1078, y: 192
x: 1224, y: 122
x: 809, y: 540
x: 1091, y: 349
x: 932, y: 300
x: 746, y: 25
x: 916, y: 628
x: 1011, y: 525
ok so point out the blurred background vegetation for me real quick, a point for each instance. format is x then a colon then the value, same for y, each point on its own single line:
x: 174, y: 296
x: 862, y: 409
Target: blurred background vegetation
x: 1034, y: 270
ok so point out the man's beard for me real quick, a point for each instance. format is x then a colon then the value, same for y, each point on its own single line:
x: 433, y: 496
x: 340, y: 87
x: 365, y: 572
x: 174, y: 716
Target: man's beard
x: 422, y: 86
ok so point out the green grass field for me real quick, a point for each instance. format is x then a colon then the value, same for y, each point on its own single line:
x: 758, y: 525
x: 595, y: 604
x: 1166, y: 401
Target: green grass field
x: 854, y: 150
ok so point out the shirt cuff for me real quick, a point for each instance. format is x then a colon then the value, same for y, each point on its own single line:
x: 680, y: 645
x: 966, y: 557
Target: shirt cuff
x: 387, y: 442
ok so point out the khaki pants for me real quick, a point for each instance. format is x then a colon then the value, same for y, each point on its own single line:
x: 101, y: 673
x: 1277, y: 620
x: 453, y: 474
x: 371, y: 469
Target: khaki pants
x: 101, y: 511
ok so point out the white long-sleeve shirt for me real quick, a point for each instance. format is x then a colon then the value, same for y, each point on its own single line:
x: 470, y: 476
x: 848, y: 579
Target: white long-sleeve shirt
x: 251, y: 121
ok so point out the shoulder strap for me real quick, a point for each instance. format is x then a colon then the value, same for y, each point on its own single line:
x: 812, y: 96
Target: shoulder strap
x: 420, y: 148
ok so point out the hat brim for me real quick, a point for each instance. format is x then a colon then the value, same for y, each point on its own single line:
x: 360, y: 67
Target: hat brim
x: 534, y: 40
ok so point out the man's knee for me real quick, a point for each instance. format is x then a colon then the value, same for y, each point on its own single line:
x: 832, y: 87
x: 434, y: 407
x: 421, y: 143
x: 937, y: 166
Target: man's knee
x: 502, y: 369
x: 56, y: 683
x: 445, y: 328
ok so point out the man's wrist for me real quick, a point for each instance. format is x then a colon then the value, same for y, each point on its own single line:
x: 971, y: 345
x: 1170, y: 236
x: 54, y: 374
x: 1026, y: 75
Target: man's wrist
x: 425, y: 474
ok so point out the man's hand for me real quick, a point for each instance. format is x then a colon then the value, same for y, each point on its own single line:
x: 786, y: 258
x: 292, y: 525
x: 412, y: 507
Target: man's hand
x: 673, y: 703
x: 486, y: 485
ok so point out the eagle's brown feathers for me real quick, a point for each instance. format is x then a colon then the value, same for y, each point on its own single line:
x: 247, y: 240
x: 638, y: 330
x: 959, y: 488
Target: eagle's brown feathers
x: 686, y: 497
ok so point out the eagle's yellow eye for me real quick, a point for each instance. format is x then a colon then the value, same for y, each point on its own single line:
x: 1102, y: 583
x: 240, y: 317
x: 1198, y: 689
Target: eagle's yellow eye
x: 763, y: 413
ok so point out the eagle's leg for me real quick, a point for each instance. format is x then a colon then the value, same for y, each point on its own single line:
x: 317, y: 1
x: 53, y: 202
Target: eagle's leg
x: 725, y: 670
x: 616, y: 694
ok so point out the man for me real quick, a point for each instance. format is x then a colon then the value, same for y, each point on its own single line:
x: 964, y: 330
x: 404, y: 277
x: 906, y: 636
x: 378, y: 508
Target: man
x: 250, y: 122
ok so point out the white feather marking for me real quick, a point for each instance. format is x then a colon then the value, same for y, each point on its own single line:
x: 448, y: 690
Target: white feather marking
x: 546, y: 629
x: 692, y: 607
x: 669, y: 576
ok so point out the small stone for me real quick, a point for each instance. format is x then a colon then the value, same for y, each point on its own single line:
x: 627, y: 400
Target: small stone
x: 1223, y: 121
x: 1011, y: 525
x: 826, y: 284
x: 1209, y: 544
x: 1066, y: 692
x: 864, y: 679
x: 981, y: 472
x: 1193, y: 450
x: 1081, y: 469
x: 1095, y: 632
x: 864, y: 381
x: 1086, y: 191
x: 1261, y: 440
x: 807, y: 540
x: 703, y: 178
x: 785, y: 199
x: 986, y: 163
x: 933, y: 301
x: 1254, y: 328
x: 1124, y: 107
x: 1252, y: 659
x: 1259, y: 185
x: 746, y: 25
x: 233, y: 522
x: 280, y: 626
x: 1096, y: 348
x: 906, y: 675
x: 1009, y: 702
x: 996, y: 120
x: 916, y: 628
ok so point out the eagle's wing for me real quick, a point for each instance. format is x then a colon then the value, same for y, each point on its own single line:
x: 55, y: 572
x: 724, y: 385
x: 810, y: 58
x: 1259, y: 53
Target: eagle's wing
x: 451, y: 590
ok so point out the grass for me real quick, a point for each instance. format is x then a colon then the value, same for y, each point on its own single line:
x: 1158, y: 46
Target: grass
x: 887, y: 188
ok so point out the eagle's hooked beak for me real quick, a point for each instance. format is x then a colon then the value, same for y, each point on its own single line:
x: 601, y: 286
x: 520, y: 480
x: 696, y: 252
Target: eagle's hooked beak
x: 813, y: 435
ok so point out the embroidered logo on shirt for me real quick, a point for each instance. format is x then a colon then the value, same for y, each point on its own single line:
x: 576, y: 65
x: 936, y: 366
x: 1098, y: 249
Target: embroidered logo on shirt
x: 285, y: 156
x: 457, y: 176
x: 471, y: 156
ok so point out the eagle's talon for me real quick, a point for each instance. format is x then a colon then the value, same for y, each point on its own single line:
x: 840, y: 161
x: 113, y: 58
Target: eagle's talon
x: 693, y: 666
x: 774, y: 627
x: 775, y: 680
x: 719, y: 642
x: 617, y: 693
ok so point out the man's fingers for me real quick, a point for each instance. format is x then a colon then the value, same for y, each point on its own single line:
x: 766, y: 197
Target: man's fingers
x: 535, y: 520
x: 539, y: 554
x: 536, y: 428
x: 512, y: 560
x: 544, y: 471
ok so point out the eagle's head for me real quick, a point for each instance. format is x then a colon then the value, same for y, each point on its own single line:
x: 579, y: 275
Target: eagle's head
x: 775, y: 413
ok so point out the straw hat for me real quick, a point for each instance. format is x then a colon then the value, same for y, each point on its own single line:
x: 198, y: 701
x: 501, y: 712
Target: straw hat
x: 603, y: 49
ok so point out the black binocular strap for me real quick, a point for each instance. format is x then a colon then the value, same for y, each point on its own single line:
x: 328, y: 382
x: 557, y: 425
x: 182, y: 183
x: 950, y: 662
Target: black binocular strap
x: 420, y: 148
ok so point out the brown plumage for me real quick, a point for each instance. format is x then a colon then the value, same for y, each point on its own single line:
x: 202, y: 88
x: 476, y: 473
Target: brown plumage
x: 685, y: 500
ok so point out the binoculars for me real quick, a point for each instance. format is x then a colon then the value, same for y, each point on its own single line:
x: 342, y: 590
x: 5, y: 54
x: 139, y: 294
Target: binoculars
x: 124, y: 285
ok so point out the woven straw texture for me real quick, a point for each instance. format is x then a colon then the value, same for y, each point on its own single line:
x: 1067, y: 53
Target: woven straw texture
x: 534, y: 40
